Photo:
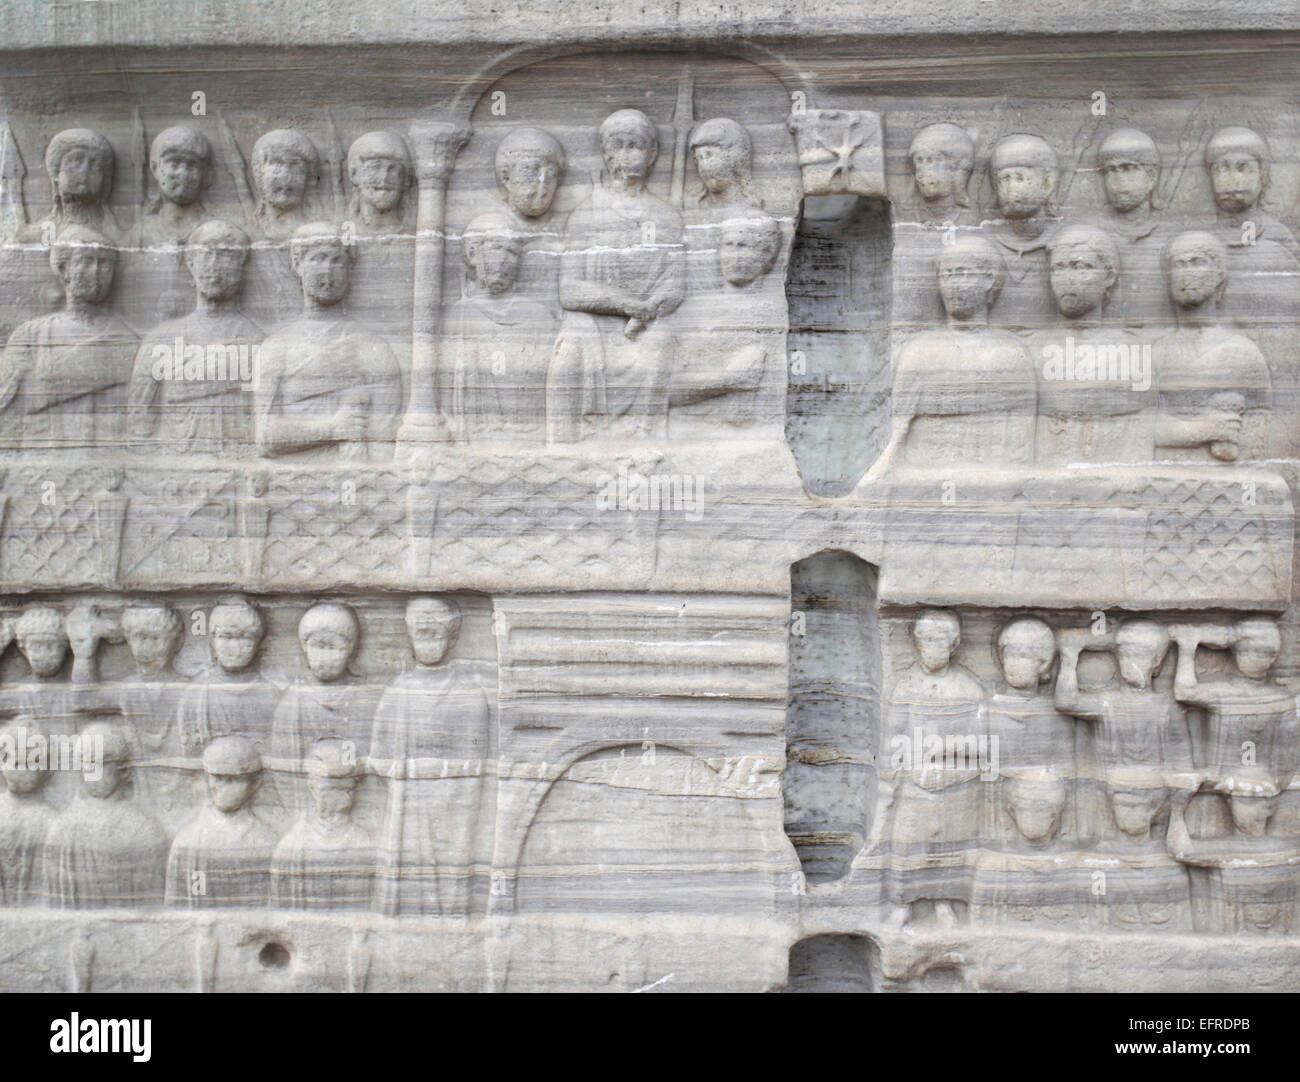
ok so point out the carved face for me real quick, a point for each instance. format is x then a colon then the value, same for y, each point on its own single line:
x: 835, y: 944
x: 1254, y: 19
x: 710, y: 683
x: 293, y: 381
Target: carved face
x: 1238, y: 181
x: 719, y: 167
x: 935, y: 643
x: 495, y: 263
x: 81, y: 174
x: 1128, y: 184
x: 530, y: 184
x: 965, y: 285
x: 1136, y: 809
x: 628, y: 154
x: 25, y: 781
x: 431, y: 639
x: 44, y: 652
x: 381, y: 181
x: 1024, y: 666
x: 1256, y: 652
x: 324, y: 271
x: 1022, y: 190
x: 1036, y: 811
x: 180, y: 174
x: 282, y: 178
x: 108, y: 779
x: 745, y: 253
x: 1262, y: 916
x: 230, y: 792
x: 152, y: 646
x: 937, y: 174
x: 218, y: 272
x: 233, y: 646
x: 1250, y: 814
x: 328, y: 652
x: 1194, y: 277
x: 333, y: 796
x: 87, y: 272
x: 1137, y: 661
x: 1080, y: 280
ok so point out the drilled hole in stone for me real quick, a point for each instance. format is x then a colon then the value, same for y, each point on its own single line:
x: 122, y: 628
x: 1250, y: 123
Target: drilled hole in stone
x: 273, y: 956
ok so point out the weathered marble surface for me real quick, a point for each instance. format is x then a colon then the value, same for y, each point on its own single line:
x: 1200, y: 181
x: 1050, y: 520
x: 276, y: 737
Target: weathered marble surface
x: 702, y: 500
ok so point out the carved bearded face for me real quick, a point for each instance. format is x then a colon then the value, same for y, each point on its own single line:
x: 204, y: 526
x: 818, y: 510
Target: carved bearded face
x: 965, y: 283
x: 1080, y: 279
x: 495, y: 262
x: 747, y: 251
x: 282, y: 178
x: 1195, y: 276
x: 180, y: 173
x: 628, y: 154
x: 719, y: 166
x: 530, y: 182
x: 381, y: 181
x: 1238, y: 181
x: 324, y: 270
x: 86, y: 271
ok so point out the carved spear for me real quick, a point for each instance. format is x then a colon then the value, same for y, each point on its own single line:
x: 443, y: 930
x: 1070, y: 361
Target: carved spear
x: 12, y: 172
x: 683, y: 121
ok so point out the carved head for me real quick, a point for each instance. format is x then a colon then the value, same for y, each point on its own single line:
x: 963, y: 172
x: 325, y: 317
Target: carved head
x: 180, y: 160
x: 215, y: 254
x: 322, y: 262
x: 530, y: 164
x: 84, y: 261
x: 748, y: 247
x: 1129, y: 163
x: 379, y: 166
x: 235, y: 630
x: 1237, y: 160
x: 491, y: 246
x: 433, y: 623
x: 1083, y: 267
x: 333, y: 771
x: 284, y: 163
x: 1035, y: 803
x: 42, y: 639
x: 1140, y: 649
x: 971, y: 273
x: 1256, y: 643
x: 1026, y: 650
x: 234, y: 770
x: 1137, y: 797
x: 1251, y: 812
x: 942, y: 157
x: 629, y: 144
x: 105, y: 759
x: 153, y: 635
x: 723, y: 153
x: 936, y: 633
x: 1023, y: 170
x: 79, y: 163
x: 328, y: 634
x: 22, y: 777
x: 1196, y: 268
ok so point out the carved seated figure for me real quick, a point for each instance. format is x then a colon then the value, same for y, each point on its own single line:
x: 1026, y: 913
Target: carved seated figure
x: 63, y: 376
x: 965, y: 397
x: 1097, y: 398
x: 25, y: 814
x: 498, y: 345
x: 104, y: 850
x: 327, y: 387
x: 1215, y: 387
x: 326, y: 861
x: 79, y: 163
x: 620, y: 275
x: 222, y: 855
x: 180, y: 161
x: 191, y: 387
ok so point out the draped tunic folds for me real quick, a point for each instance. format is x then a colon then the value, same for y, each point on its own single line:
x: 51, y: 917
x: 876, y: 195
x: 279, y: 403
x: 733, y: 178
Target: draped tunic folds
x: 971, y: 398
x: 221, y: 859
x: 63, y: 384
x: 219, y: 704
x: 1265, y: 718
x: 319, y: 865
x: 24, y: 821
x: 104, y: 853
x: 430, y: 740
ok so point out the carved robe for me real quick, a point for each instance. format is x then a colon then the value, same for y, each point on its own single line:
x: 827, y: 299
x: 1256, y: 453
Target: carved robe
x: 218, y: 703
x: 323, y: 866
x: 24, y: 823
x: 221, y: 859
x: 104, y: 853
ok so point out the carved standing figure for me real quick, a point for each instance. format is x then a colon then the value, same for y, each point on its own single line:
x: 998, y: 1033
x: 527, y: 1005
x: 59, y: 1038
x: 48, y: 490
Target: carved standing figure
x: 180, y: 161
x: 79, y: 163
x: 1023, y: 170
x: 25, y: 814
x: 230, y: 698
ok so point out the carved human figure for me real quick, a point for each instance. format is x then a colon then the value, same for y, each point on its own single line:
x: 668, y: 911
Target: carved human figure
x: 104, y: 850
x: 25, y: 814
x: 326, y: 860
x: 430, y: 743
x: 79, y: 163
x: 1097, y: 399
x: 942, y: 157
x: 928, y: 816
x: 529, y: 164
x: 723, y: 153
x: 1134, y: 723
x: 221, y: 856
x: 1215, y: 387
x: 286, y: 168
x: 42, y: 639
x: 63, y: 376
x: 1023, y: 170
x: 620, y: 274
x: 1237, y: 160
x: 493, y: 387
x: 181, y: 163
x: 381, y: 174
x: 964, y: 396
x: 326, y: 385
x: 191, y: 386
x: 229, y: 698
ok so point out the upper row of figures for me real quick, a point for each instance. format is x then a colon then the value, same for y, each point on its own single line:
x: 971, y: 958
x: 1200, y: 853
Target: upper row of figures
x: 638, y: 311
